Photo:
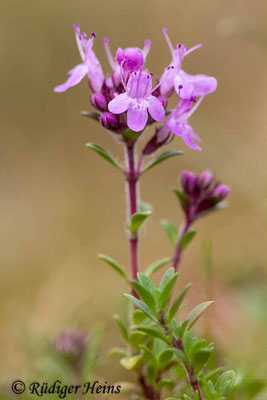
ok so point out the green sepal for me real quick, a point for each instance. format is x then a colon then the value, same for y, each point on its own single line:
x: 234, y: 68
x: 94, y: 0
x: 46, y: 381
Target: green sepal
x: 129, y: 135
x: 137, y: 220
x: 187, y: 238
x: 92, y: 115
x: 177, y: 302
x: 162, y: 157
x: 170, y: 230
x: 156, y: 265
x: 114, y: 265
x: 142, y: 306
x: 103, y: 153
x: 182, y: 197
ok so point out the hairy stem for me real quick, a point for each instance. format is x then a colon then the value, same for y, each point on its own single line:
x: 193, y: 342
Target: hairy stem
x: 132, y: 200
x: 178, y: 344
x: 178, y: 248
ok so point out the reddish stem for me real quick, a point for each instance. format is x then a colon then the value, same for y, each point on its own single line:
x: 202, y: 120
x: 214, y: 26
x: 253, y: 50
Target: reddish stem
x: 178, y: 249
x: 132, y: 198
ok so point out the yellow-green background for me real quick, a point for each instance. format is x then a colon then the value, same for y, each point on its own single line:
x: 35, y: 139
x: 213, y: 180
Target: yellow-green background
x: 61, y: 204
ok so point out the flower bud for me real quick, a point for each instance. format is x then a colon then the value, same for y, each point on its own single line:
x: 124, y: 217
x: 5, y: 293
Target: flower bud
x: 161, y: 137
x: 99, y: 101
x: 109, y: 121
x: 188, y: 182
x: 132, y: 58
x: 163, y: 101
x: 221, y: 191
x: 205, y: 179
x: 72, y: 342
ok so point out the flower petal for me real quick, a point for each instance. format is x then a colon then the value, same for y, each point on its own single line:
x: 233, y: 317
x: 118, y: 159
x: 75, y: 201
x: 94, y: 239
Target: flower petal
x: 137, y: 116
x: 119, y: 104
x: 155, y: 108
x: 76, y: 75
x: 204, y: 85
x: 183, y: 85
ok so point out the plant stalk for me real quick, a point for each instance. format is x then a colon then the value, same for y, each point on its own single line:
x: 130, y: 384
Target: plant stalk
x: 132, y: 200
x: 178, y: 248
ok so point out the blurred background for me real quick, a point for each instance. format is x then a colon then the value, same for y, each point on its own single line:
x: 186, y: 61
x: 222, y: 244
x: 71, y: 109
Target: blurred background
x: 61, y: 204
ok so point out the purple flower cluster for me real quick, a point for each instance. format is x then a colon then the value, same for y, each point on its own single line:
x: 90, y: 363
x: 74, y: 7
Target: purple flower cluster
x: 72, y: 342
x: 126, y: 97
x: 200, y: 194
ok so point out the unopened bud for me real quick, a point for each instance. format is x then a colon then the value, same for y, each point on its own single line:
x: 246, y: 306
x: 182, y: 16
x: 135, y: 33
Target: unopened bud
x: 99, y: 101
x: 72, y: 342
x: 188, y: 182
x: 109, y: 121
x: 205, y: 179
x: 163, y: 101
x: 161, y: 137
x: 132, y: 58
x: 221, y: 191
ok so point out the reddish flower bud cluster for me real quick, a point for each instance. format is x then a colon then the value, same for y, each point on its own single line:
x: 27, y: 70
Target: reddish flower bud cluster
x: 200, y: 193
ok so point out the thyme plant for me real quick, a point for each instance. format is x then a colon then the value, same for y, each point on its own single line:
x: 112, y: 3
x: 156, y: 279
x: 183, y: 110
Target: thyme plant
x: 169, y: 361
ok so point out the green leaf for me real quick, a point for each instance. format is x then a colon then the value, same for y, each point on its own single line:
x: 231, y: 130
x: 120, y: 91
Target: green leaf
x: 162, y: 157
x: 151, y: 331
x: 177, y: 302
x: 92, y: 115
x: 138, y: 219
x: 168, y: 383
x: 145, y: 295
x: 194, y: 315
x: 119, y: 352
x: 188, y: 236
x: 168, y: 275
x: 146, y: 282
x: 187, y: 397
x: 142, y: 306
x: 155, y: 266
x: 170, y: 229
x: 225, y: 383
x: 103, y: 153
x: 165, y: 358
x: 182, y: 197
x: 122, y: 327
x: 114, y: 265
x: 136, y: 338
x: 167, y: 291
x: 201, y: 357
x: 132, y: 363
x: 143, y: 206
x: 149, y: 355
x: 138, y: 316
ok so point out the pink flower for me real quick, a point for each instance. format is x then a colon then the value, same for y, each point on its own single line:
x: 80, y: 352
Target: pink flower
x: 174, y: 76
x: 179, y: 125
x: 138, y: 101
x: 90, y: 65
